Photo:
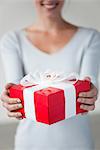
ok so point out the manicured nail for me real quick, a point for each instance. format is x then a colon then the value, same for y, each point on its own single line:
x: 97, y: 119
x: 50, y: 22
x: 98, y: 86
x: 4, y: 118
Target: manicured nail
x: 81, y: 106
x: 80, y: 94
x: 79, y: 100
x: 18, y: 100
x: 20, y: 106
x: 19, y: 114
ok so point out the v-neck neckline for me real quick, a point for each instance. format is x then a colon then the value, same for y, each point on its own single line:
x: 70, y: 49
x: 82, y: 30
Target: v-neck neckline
x: 59, y: 51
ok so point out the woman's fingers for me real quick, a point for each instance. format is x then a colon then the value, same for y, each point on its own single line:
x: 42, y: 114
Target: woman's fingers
x: 11, y: 104
x: 12, y: 107
x: 8, y: 85
x: 87, y: 107
x: 87, y: 100
x: 87, y: 78
x: 93, y: 92
x: 19, y: 118
x: 7, y: 99
x: 14, y: 114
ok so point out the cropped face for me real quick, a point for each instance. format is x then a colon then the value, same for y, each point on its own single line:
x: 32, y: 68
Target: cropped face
x: 50, y: 8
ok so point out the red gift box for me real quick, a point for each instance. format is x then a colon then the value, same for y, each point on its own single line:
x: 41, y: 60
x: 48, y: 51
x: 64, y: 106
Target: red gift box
x: 49, y: 103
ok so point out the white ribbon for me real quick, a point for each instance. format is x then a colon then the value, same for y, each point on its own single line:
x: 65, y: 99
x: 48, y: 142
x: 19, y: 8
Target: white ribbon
x: 44, y: 80
x: 47, y: 77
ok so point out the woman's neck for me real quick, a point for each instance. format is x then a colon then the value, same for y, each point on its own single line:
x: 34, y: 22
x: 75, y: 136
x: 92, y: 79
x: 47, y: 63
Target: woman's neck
x: 51, y: 24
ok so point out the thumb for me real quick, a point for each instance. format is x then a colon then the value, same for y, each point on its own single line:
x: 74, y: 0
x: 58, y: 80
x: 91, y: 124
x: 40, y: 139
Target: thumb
x: 9, y: 85
x: 87, y: 78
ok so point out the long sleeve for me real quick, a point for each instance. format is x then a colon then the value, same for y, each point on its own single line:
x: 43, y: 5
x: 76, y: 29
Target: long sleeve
x: 11, y: 57
x: 91, y: 59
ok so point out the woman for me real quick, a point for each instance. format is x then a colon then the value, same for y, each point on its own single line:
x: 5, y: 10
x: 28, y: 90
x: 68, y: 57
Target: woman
x: 57, y: 44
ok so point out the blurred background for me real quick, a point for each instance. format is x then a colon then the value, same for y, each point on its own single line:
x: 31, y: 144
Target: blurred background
x: 20, y: 13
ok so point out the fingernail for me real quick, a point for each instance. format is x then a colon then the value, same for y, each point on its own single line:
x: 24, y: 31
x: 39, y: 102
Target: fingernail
x: 19, y: 114
x: 79, y: 100
x: 20, y: 106
x: 81, y: 106
x: 18, y: 100
x: 80, y: 94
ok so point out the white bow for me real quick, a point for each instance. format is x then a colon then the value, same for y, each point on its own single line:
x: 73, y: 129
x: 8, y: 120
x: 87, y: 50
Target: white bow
x: 47, y: 77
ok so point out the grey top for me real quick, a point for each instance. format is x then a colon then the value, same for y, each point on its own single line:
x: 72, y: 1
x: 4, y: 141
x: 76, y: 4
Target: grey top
x: 81, y: 55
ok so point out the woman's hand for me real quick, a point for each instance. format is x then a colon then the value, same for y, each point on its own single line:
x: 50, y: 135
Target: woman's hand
x: 89, y: 98
x: 11, y: 104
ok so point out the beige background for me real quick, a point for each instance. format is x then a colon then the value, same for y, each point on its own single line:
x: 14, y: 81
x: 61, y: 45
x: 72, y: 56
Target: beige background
x: 19, y: 13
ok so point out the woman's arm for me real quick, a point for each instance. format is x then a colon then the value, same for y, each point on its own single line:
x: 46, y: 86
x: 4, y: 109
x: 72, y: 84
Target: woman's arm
x: 91, y: 59
x: 10, y: 55
x: 90, y: 68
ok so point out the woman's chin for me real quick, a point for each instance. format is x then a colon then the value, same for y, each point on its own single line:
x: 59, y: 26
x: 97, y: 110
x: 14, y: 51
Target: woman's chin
x: 50, y: 12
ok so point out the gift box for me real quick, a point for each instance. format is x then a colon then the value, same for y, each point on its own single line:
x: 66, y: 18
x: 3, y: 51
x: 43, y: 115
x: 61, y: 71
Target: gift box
x: 50, y: 103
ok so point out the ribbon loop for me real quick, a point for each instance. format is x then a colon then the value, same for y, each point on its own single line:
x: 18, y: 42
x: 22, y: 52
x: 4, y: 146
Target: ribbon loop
x: 48, y: 77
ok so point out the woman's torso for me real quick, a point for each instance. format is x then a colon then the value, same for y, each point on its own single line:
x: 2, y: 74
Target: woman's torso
x: 74, y: 133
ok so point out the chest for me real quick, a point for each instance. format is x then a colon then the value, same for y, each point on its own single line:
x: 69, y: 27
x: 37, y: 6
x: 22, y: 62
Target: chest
x: 65, y: 60
x: 36, y: 51
x: 49, y: 43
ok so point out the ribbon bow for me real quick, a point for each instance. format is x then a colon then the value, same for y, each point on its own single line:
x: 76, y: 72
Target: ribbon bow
x: 48, y: 77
